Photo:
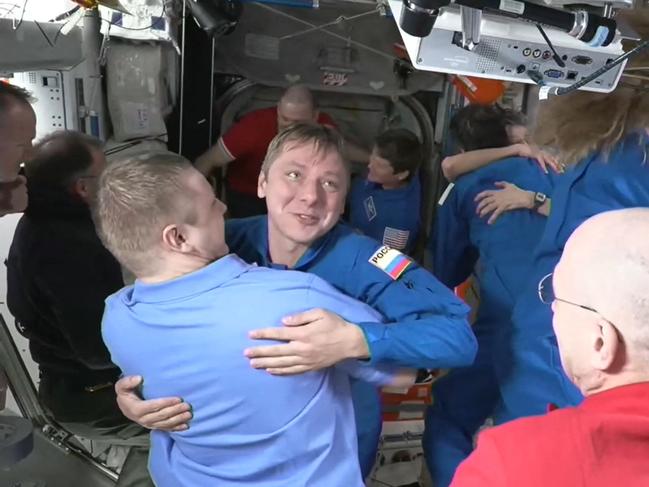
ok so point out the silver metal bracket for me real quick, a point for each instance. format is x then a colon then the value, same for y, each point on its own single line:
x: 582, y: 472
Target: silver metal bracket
x: 471, y: 19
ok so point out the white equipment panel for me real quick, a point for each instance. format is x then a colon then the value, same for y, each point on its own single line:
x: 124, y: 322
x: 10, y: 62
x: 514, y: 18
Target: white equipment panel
x: 507, y: 50
x: 55, y: 104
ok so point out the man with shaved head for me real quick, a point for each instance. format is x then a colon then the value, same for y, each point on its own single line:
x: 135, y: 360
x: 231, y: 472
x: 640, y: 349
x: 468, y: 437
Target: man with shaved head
x: 246, y: 142
x: 17, y: 129
x: 58, y: 276
x: 598, y: 293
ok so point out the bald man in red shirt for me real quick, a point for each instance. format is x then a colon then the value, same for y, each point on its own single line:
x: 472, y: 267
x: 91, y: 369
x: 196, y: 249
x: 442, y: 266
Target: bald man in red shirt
x: 598, y: 293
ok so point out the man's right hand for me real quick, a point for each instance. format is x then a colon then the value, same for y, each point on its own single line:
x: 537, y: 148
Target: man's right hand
x: 167, y: 414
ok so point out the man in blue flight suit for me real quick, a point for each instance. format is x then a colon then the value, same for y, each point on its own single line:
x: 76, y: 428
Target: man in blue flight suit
x: 466, y: 397
x: 305, y: 180
x: 385, y: 205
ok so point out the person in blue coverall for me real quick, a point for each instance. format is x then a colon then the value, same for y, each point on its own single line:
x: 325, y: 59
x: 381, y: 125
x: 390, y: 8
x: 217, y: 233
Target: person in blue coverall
x: 385, y: 204
x: 467, y: 396
x: 603, y: 139
x: 305, y: 180
x: 187, y: 306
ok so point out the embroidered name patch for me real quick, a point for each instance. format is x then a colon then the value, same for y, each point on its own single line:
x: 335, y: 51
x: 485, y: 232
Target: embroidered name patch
x: 390, y: 261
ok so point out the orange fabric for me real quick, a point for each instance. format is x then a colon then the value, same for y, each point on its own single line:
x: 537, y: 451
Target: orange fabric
x: 417, y: 394
x: 462, y: 289
x: 479, y: 90
x: 87, y: 3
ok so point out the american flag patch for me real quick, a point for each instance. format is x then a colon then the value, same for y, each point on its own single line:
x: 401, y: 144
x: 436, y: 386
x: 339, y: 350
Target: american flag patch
x: 395, y: 238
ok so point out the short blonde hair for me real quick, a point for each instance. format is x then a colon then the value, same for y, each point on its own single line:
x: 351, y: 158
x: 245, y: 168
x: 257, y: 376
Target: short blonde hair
x: 136, y: 198
x: 323, y: 138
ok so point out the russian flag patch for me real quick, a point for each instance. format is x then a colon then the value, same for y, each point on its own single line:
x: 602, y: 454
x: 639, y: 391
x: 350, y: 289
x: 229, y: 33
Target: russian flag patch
x: 390, y: 261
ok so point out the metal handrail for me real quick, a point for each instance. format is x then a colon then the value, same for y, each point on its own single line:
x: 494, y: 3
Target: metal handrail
x: 20, y: 382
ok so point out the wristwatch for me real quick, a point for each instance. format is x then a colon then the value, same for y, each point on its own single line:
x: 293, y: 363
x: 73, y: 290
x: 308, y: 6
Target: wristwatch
x: 539, y: 199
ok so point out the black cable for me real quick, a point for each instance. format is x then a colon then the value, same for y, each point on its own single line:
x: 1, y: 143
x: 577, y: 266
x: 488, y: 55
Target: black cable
x: 133, y: 142
x: 555, y: 56
x: 65, y: 15
x: 58, y: 32
x: 535, y: 76
x: 59, y: 17
x: 44, y: 34
x: 22, y: 14
x: 120, y: 148
x: 600, y: 71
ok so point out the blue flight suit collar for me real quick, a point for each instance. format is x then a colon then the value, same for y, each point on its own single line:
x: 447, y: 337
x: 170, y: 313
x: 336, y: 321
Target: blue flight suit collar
x: 209, y: 277
x: 306, y: 259
x: 314, y: 250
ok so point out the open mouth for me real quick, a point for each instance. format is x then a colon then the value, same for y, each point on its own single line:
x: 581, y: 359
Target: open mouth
x: 306, y: 219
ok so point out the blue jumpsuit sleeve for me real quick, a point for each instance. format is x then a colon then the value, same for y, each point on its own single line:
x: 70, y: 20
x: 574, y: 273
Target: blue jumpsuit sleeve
x: 454, y: 256
x: 322, y: 295
x: 426, y: 325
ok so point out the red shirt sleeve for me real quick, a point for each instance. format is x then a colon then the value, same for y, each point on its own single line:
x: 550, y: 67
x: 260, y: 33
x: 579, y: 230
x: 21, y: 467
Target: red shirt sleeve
x: 237, y: 139
x: 325, y: 119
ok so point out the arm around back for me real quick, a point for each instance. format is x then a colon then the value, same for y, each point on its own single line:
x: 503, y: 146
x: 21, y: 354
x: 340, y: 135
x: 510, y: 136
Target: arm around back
x: 455, y: 166
x: 323, y: 295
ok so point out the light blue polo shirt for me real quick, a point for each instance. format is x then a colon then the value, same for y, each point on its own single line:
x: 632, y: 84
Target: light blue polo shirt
x: 186, y: 337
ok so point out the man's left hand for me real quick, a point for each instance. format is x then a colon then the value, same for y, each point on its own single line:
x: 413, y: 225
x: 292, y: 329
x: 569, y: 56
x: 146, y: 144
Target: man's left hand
x: 314, y: 340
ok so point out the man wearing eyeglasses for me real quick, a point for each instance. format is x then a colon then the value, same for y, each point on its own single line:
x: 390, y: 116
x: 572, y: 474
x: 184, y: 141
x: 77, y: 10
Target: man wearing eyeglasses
x: 58, y: 276
x: 598, y: 294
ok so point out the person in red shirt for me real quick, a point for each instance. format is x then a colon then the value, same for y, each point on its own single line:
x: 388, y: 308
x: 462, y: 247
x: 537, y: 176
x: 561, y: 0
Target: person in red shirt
x: 246, y: 143
x: 598, y: 293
